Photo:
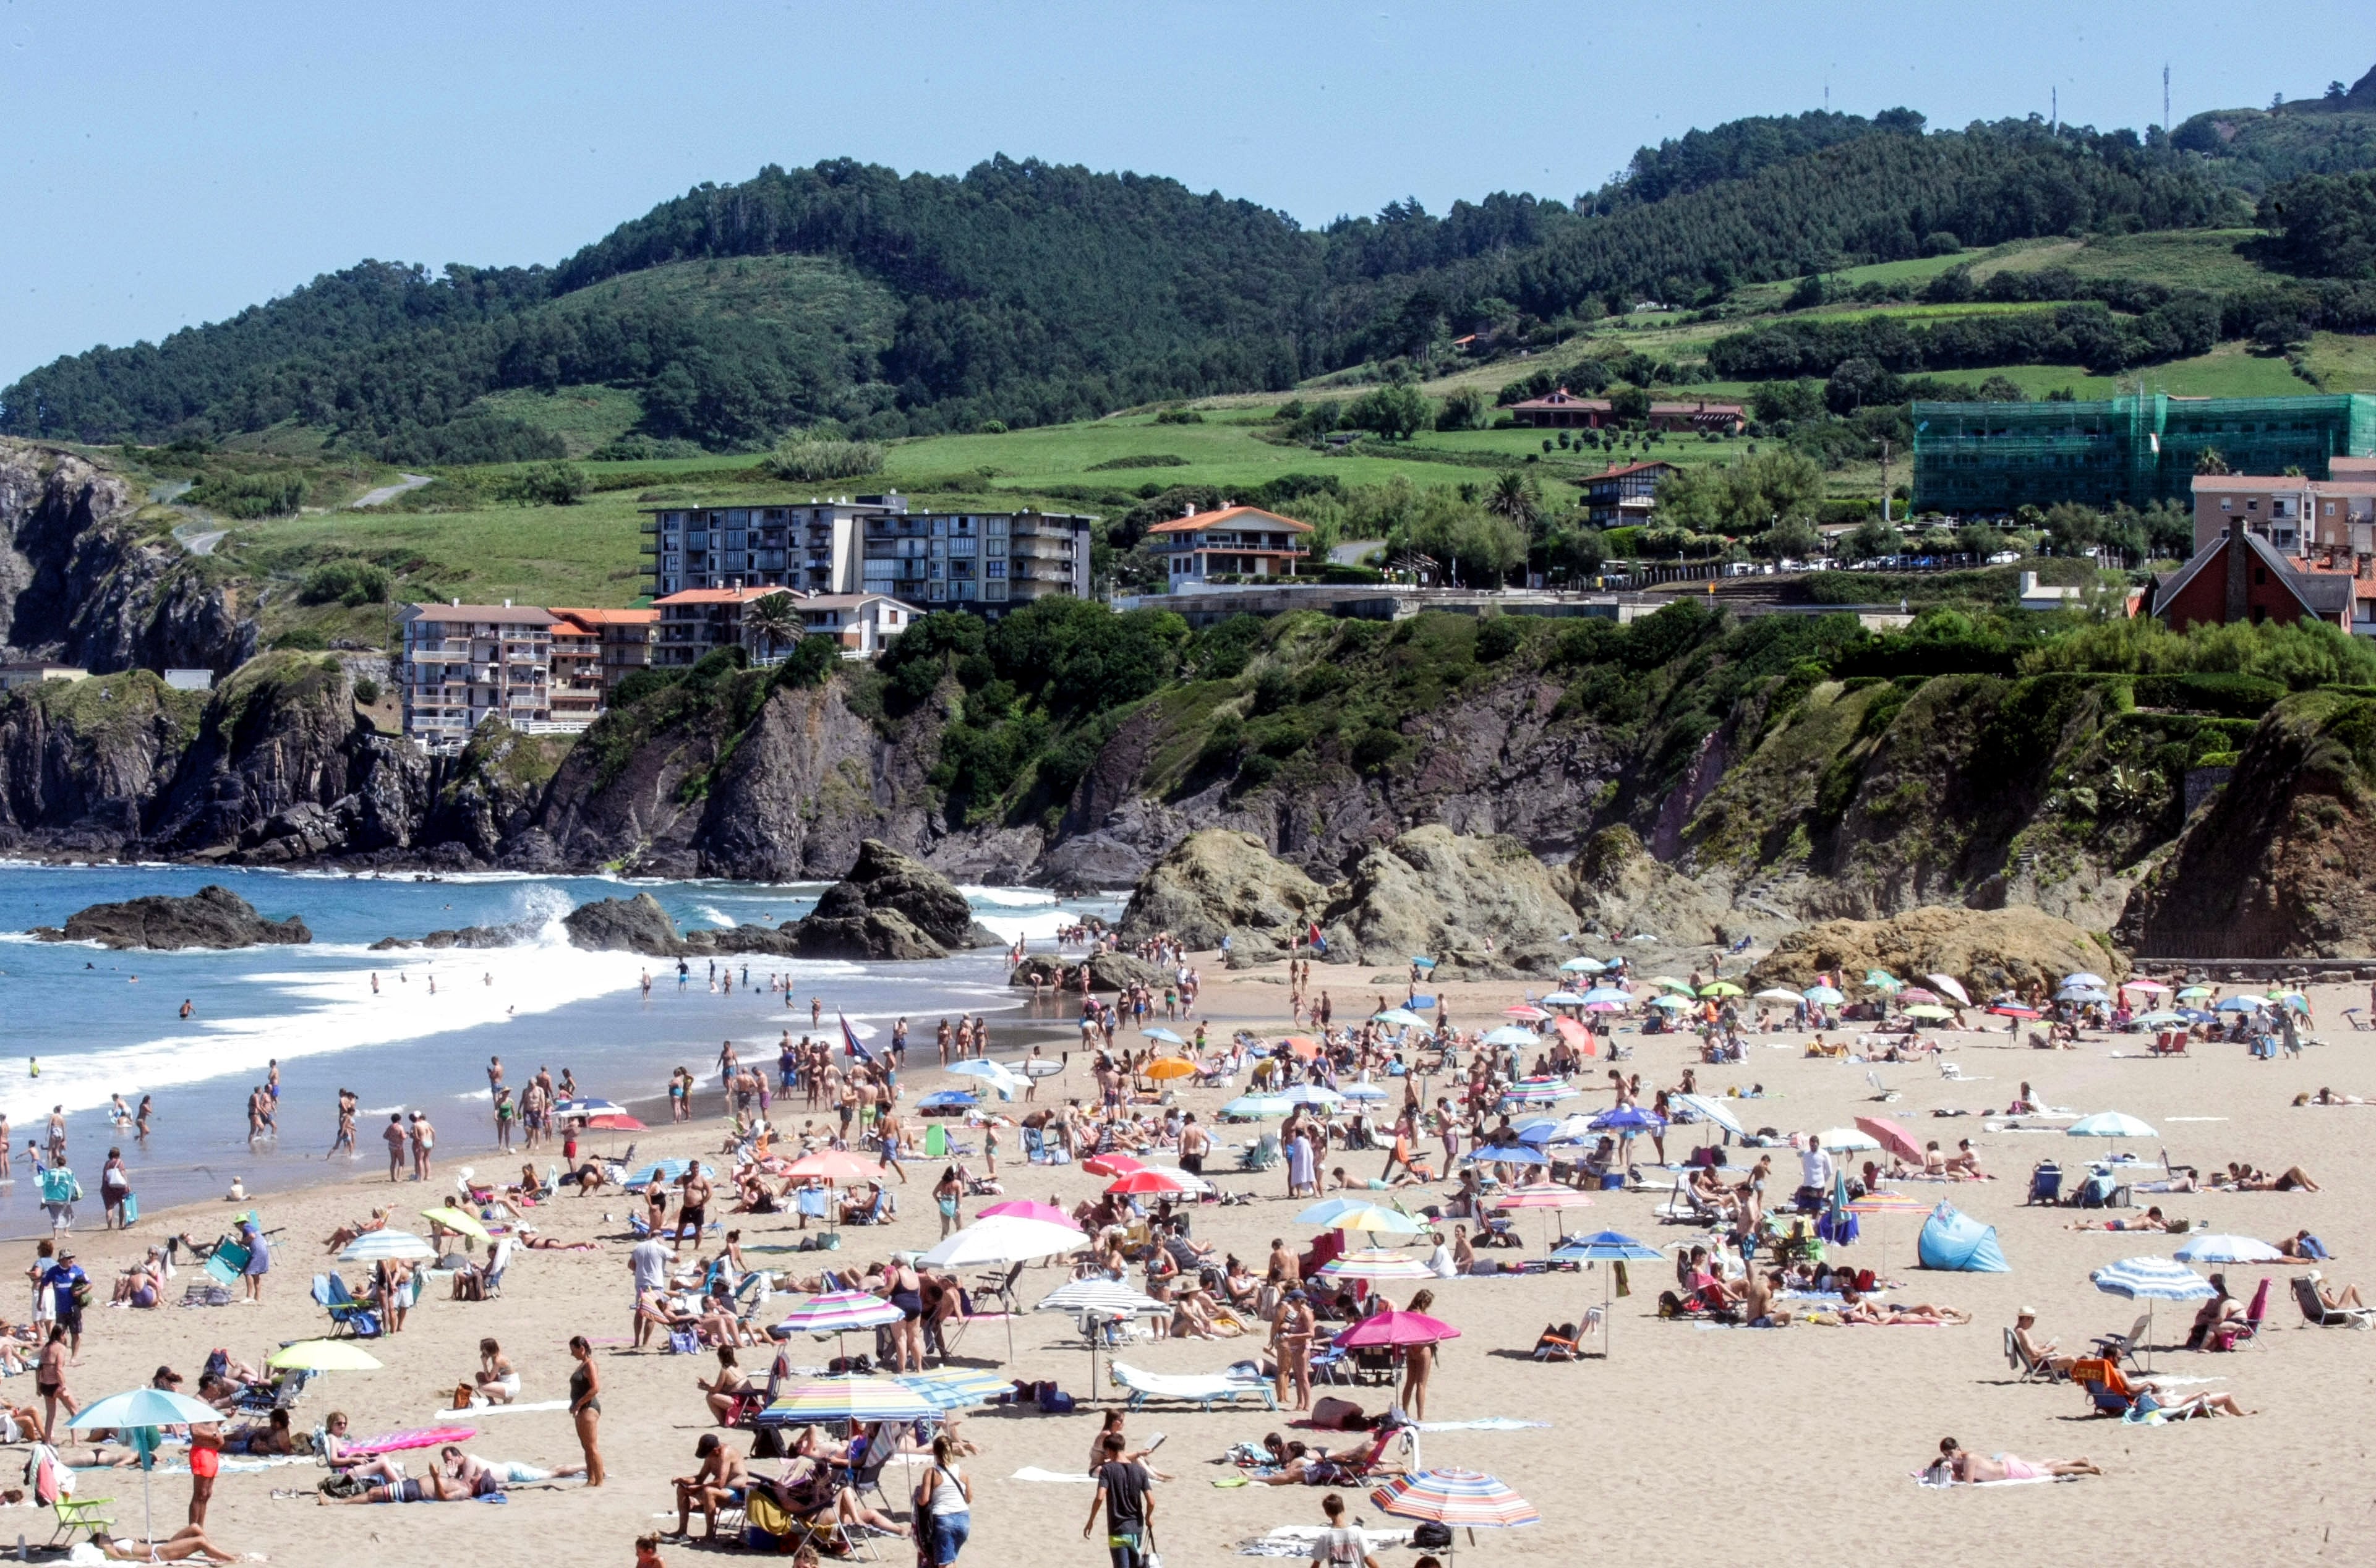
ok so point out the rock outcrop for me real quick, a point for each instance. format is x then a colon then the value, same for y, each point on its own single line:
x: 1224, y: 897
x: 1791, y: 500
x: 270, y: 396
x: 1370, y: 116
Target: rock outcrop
x: 1485, y: 905
x: 624, y: 925
x: 1221, y: 883
x: 890, y: 906
x: 1988, y: 950
x: 212, y: 917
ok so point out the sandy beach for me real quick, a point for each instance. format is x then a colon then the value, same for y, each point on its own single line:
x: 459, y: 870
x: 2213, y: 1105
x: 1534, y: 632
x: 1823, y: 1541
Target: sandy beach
x: 1686, y: 1440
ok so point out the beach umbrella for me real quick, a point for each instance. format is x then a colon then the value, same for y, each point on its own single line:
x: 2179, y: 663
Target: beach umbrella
x: 322, y: 1355
x: 1112, y: 1165
x: 1583, y: 967
x: 1511, y: 1034
x: 141, y: 1411
x: 579, y: 1108
x: 1721, y: 988
x: 1170, y: 1067
x: 613, y: 1121
x: 1166, y: 1035
x: 2295, y: 1000
x: 995, y: 1074
x: 1359, y: 1214
x: 2242, y: 1004
x: 1916, y: 994
x: 1952, y: 986
x: 996, y: 1241
x: 1376, y: 1263
x: 1707, y: 1108
x: 1893, y: 1137
x: 1563, y: 999
x: 1576, y: 1035
x: 1097, y: 1299
x: 1155, y: 1180
x: 1775, y: 994
x: 2193, y: 991
x: 458, y: 1222
x: 2081, y: 994
x: 1615, y: 996
x: 1610, y: 1247
x: 1505, y: 1154
x: 2014, y: 1010
x: 1930, y: 1010
x: 2084, y: 977
x: 853, y: 1399
x: 2162, y: 1019
x: 1885, y: 1203
x: 1365, y: 1092
x: 1314, y: 1094
x: 950, y: 1388
x: 1254, y: 1107
x: 1400, y: 1018
x: 2144, y: 985
x: 2109, y: 1125
x: 1544, y: 1196
x: 1395, y: 1329
x: 1028, y: 1208
x: 1824, y: 995
x: 1466, y: 1498
x: 2228, y: 1249
x: 1672, y: 983
x: 400, y: 1246
x: 2150, y: 1280
x: 1539, y: 1091
x: 1523, y: 1010
x: 1881, y: 979
x: 1304, y: 1048
x: 1843, y: 1139
x: 1672, y: 1003
x: 1627, y: 1120
x: 947, y: 1099
x: 837, y: 1166
x: 838, y: 1311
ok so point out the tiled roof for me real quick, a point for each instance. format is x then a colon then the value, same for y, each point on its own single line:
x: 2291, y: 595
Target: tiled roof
x: 1230, y: 517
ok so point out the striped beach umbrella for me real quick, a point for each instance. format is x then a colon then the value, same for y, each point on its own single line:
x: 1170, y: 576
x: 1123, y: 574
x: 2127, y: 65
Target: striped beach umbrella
x: 1885, y: 1203
x: 1467, y: 1498
x: 950, y: 1388
x: 1357, y: 1214
x: 1542, y: 1196
x: 400, y: 1246
x: 855, y: 1399
x: 1611, y: 1247
x: 838, y: 1311
x: 1376, y: 1263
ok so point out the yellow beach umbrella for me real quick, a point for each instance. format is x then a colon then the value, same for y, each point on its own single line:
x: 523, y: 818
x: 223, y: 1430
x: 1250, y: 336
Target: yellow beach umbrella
x: 460, y: 1223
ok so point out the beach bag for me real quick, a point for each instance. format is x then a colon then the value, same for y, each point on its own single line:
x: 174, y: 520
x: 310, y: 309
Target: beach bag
x: 1432, y: 1535
x: 683, y: 1342
x: 1055, y: 1401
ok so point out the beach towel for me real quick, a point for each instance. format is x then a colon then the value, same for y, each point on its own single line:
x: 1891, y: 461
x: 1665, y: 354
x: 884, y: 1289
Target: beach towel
x: 397, y: 1442
x: 479, y: 1410
x: 1483, y: 1423
x: 1923, y: 1479
x: 1034, y: 1473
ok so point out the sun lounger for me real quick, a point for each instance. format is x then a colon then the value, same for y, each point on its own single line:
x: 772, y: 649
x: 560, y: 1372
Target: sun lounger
x: 2320, y: 1315
x: 1199, y: 1389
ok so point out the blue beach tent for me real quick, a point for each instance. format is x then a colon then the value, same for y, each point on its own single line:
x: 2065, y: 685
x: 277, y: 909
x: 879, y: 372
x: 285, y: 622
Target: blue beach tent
x: 1953, y: 1239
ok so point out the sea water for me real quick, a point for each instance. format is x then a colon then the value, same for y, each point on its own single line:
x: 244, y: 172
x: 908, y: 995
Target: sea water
x: 79, y: 1023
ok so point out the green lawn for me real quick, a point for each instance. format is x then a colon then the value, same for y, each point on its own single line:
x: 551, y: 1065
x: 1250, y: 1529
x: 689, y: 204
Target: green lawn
x: 2228, y: 371
x: 1223, y: 451
x: 2180, y: 258
x: 2343, y: 362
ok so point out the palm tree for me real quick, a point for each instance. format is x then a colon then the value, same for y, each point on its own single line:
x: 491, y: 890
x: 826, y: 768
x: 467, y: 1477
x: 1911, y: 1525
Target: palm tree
x: 770, y: 621
x: 1514, y: 497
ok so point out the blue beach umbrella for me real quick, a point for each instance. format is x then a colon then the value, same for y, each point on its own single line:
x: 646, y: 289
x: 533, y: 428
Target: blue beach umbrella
x: 1824, y: 995
x: 1606, y: 1246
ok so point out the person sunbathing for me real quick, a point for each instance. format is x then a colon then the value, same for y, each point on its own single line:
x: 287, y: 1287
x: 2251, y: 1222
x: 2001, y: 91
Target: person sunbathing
x: 1965, y: 1465
x: 2328, y: 1096
x: 435, y: 1487
x: 1856, y: 1307
x: 2150, y: 1220
x: 2303, y: 1245
x: 138, y: 1286
x: 721, y: 1476
x: 184, y: 1545
x: 814, y: 1497
x: 383, y: 1467
x: 2246, y: 1178
x: 2335, y: 1300
x: 1964, y: 1165
x: 529, y: 1238
x: 272, y: 1438
x: 345, y: 1234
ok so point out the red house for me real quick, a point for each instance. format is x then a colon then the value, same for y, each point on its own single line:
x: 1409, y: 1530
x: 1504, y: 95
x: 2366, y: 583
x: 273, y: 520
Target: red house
x: 2241, y: 577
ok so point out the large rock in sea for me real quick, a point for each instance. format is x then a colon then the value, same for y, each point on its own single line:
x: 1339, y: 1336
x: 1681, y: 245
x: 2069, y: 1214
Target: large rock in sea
x: 1988, y: 950
x: 890, y: 906
x: 1433, y: 891
x: 1220, y: 881
x: 212, y: 917
x: 624, y: 925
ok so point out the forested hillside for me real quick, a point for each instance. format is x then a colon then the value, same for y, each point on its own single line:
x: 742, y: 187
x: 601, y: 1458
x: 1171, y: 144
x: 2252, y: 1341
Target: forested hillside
x: 1026, y: 293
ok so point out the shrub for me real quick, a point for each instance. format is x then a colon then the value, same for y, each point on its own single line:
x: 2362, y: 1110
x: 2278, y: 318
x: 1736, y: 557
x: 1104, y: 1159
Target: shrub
x: 546, y: 485
x: 2229, y: 695
x: 250, y: 496
x: 350, y: 583
x: 1378, y: 750
x: 302, y: 639
x: 641, y: 683
x: 1498, y: 637
x: 806, y: 458
x: 1179, y: 416
x: 811, y: 663
x: 1338, y: 573
x: 366, y: 690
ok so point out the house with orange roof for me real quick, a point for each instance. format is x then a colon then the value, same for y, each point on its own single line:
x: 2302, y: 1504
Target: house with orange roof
x: 1229, y: 541
x: 601, y: 648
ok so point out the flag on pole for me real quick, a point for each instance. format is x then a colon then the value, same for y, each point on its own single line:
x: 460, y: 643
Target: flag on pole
x: 849, y: 1042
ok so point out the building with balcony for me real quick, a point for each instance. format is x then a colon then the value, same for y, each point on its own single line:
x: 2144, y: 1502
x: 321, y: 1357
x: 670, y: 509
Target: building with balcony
x: 1230, y: 542
x: 699, y: 621
x: 863, y: 623
x: 1624, y: 492
x: 812, y: 547
x: 463, y: 664
x: 622, y: 643
x: 1563, y: 409
x: 983, y: 561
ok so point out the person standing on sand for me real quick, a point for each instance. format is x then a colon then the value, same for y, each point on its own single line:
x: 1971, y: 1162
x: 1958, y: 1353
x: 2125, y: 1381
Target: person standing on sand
x: 586, y: 1405
x: 649, y: 1261
x: 396, y: 1145
x: 425, y: 1146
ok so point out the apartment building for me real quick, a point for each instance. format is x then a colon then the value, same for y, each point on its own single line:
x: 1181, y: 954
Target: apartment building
x: 863, y: 623
x: 465, y: 663
x: 2298, y: 516
x: 812, y: 548
x: 699, y: 620
x: 983, y: 561
x: 622, y: 643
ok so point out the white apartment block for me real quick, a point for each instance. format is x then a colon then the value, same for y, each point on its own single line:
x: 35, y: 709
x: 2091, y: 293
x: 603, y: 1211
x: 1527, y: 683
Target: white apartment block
x: 811, y: 548
x: 465, y: 663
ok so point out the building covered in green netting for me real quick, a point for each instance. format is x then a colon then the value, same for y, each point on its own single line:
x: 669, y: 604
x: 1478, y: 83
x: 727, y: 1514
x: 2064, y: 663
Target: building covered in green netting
x: 1986, y: 460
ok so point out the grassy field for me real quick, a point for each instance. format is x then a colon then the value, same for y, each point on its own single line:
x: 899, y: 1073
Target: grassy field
x: 1222, y: 451
x: 2180, y: 258
x: 584, y: 417
x: 2344, y: 364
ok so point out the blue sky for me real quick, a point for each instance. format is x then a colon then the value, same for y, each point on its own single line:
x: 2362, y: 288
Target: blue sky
x: 163, y: 164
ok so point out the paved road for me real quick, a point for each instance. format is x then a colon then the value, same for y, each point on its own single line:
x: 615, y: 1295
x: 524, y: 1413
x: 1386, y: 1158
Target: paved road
x: 1350, y: 553
x: 198, y: 538
x: 387, y: 493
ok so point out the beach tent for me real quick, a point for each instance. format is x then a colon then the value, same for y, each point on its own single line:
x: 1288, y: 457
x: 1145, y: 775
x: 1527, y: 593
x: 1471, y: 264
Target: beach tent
x: 1953, y: 1239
